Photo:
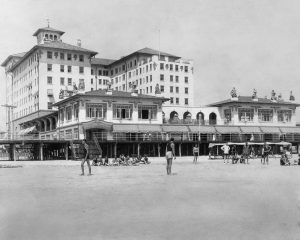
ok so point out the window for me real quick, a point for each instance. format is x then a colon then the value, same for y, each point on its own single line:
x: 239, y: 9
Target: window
x: 81, y: 70
x: 186, y: 69
x: 186, y: 101
x: 81, y: 58
x: 49, y: 80
x: 92, y: 71
x: 62, y: 114
x: 161, y: 66
x: 69, y: 69
x: 177, y: 79
x: 146, y: 79
x: 49, y: 55
x: 227, y: 115
x: 246, y: 114
x: 265, y: 115
x: 69, y: 113
x: 49, y: 67
x: 171, y: 78
x: 62, y: 81
x: 171, y: 67
x: 186, y: 90
x: 176, y: 68
x: 92, y: 89
x: 150, y: 89
x: 69, y: 56
x: 92, y: 80
x: 100, y: 81
x: 186, y: 79
x: 171, y: 89
x: 50, y: 105
x: 162, y: 77
x: 284, y: 115
x: 171, y: 100
x: 96, y: 110
x: 62, y: 56
x: 62, y: 68
x: 100, y: 72
x: 122, y: 111
x: 177, y: 89
x: 177, y: 100
x: 150, y: 78
x: 147, y: 90
x: 147, y: 111
x: 70, y: 81
x: 162, y: 88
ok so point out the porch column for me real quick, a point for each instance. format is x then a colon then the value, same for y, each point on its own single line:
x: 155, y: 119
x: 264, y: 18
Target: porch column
x: 51, y: 123
x: 158, y: 149
x: 139, y: 148
x: 12, y: 152
x: 115, y: 150
x: 180, y: 149
x: 41, y: 151
x: 67, y: 151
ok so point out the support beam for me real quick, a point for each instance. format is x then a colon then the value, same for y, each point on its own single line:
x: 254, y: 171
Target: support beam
x: 67, y: 151
x: 41, y: 153
x: 158, y: 148
x: 115, y: 150
x: 180, y: 149
x: 139, y: 149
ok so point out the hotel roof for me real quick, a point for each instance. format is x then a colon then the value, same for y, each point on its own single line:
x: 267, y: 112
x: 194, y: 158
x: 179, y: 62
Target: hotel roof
x: 114, y: 94
x: 55, y: 45
x: 102, y: 61
x: 17, y: 55
x: 247, y: 99
x: 47, y: 29
x: 146, y: 51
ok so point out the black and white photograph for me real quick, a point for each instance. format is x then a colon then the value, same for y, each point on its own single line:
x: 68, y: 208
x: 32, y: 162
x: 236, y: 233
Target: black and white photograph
x: 149, y: 119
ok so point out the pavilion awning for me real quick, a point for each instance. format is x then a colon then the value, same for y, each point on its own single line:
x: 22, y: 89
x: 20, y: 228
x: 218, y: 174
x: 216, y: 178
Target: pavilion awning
x: 97, y: 123
x: 202, y: 129
x: 270, y: 130
x: 175, y: 128
x: 125, y: 128
x: 250, y: 129
x: 149, y: 128
x: 290, y: 129
x: 27, y: 130
x: 228, y: 129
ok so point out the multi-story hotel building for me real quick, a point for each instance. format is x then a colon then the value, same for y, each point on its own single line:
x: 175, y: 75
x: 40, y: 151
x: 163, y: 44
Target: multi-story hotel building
x: 36, y: 79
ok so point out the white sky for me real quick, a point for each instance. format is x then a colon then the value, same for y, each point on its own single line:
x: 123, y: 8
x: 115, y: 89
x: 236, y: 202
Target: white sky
x: 243, y: 43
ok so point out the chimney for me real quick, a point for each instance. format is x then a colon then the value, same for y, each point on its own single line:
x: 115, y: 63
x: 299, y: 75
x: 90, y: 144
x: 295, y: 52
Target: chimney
x: 78, y: 42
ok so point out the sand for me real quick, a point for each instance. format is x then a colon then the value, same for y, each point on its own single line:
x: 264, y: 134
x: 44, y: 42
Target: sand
x: 210, y: 200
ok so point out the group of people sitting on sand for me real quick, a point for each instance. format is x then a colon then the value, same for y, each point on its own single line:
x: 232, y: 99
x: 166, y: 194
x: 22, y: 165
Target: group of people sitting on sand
x: 122, y: 160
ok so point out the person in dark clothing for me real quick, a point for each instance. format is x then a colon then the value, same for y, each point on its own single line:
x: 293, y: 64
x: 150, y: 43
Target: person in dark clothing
x: 170, y: 155
x: 86, y: 158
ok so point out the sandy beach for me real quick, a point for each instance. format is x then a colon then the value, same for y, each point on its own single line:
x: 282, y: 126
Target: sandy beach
x: 210, y: 200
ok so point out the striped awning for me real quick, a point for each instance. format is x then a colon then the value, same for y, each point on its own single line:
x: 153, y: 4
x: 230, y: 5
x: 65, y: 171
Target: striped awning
x: 228, y: 129
x: 27, y: 130
x: 149, y: 128
x: 290, y: 129
x: 250, y: 129
x: 271, y: 130
x: 97, y: 124
x: 125, y: 128
x: 202, y: 129
x: 175, y: 128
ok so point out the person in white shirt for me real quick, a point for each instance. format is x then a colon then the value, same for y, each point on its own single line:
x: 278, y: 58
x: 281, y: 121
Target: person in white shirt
x: 225, y: 148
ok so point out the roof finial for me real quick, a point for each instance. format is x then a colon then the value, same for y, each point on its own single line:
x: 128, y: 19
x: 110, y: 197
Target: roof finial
x: 48, y: 22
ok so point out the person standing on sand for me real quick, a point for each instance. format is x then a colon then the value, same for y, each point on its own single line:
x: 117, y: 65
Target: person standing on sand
x: 195, y: 153
x: 170, y: 155
x: 86, y: 158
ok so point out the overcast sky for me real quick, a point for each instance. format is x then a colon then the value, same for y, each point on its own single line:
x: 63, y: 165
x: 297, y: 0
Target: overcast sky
x: 243, y: 43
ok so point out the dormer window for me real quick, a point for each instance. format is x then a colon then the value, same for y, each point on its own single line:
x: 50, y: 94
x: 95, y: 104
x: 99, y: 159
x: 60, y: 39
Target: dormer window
x: 46, y: 36
x: 55, y: 37
x: 51, y: 37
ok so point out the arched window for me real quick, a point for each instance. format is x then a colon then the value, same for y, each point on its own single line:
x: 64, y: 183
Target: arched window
x: 51, y: 36
x: 187, y: 117
x: 174, y: 117
x: 200, y: 117
x: 212, y: 119
x: 55, y: 37
x: 46, y: 36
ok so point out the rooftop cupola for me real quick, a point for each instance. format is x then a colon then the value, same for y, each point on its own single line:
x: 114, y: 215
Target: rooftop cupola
x: 47, y: 34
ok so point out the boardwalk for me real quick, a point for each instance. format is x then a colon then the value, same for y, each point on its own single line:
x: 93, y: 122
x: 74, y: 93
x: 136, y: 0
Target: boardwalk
x: 49, y: 200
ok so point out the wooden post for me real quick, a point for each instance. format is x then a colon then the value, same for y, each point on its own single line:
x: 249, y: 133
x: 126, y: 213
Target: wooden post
x: 41, y: 152
x: 115, y: 150
x: 180, y: 149
x: 138, y: 150
x: 67, y: 151
x: 12, y: 152
x: 158, y: 148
